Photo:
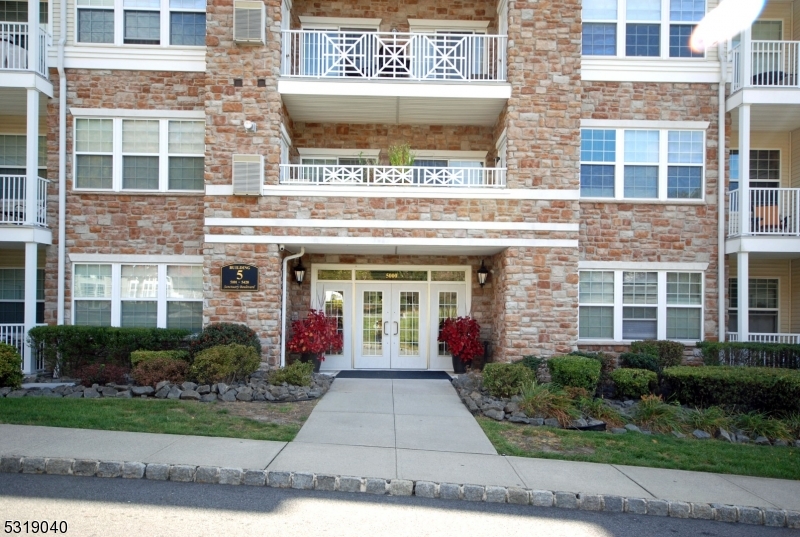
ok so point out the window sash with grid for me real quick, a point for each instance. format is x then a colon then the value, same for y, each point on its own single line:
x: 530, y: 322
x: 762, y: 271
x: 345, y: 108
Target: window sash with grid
x: 765, y: 168
x: 763, y: 304
x: 147, y: 295
x: 157, y: 155
x: 12, y: 295
x: 640, y: 28
x: 644, y: 164
x: 632, y: 305
x: 141, y: 22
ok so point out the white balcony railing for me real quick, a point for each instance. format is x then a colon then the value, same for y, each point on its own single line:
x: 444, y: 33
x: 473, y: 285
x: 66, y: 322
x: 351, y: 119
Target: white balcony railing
x: 393, y: 55
x: 14, y: 49
x: 14, y: 335
x: 772, y: 64
x: 767, y: 338
x: 773, y: 211
x: 13, y: 200
x: 367, y: 175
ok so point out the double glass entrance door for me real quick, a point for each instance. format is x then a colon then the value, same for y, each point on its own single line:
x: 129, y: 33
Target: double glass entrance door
x: 391, y: 326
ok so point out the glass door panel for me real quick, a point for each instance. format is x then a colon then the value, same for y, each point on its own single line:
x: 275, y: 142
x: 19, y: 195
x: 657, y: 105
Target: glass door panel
x: 409, y: 326
x: 372, y: 327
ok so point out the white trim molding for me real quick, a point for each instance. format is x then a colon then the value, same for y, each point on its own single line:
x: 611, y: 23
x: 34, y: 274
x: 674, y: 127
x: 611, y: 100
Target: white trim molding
x: 407, y: 192
x: 454, y: 155
x: 431, y: 25
x: 643, y: 124
x: 137, y: 113
x: 697, y: 71
x: 369, y: 88
x: 310, y: 152
x: 137, y: 259
x: 336, y: 22
x: 642, y: 266
x: 133, y: 57
x: 389, y: 241
x: 390, y: 224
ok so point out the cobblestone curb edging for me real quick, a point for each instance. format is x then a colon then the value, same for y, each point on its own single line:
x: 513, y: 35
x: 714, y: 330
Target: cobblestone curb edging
x: 778, y: 518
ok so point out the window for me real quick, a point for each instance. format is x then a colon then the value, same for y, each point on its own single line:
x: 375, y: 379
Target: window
x: 12, y: 296
x: 153, y: 155
x: 632, y: 305
x: 653, y: 164
x: 644, y: 28
x: 13, y: 154
x: 763, y: 305
x: 18, y: 12
x: 147, y: 295
x: 141, y: 22
x: 765, y: 168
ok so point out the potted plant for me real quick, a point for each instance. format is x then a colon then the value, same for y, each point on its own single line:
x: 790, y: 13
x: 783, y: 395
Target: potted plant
x: 462, y: 337
x: 401, y: 156
x: 315, y: 335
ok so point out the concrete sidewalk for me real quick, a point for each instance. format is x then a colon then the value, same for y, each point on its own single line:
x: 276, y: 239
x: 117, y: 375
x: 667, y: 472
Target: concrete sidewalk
x: 417, y: 435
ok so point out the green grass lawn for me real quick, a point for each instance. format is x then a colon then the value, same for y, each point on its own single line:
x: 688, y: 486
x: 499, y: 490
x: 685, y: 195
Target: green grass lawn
x: 141, y: 415
x: 634, y: 449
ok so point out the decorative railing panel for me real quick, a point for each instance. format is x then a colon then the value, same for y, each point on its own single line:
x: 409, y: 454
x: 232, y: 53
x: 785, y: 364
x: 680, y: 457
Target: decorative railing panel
x: 392, y: 55
x: 367, y: 175
x: 767, y: 338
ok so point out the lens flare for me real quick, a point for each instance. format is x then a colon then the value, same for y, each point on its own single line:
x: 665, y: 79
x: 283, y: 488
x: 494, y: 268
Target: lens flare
x: 724, y: 22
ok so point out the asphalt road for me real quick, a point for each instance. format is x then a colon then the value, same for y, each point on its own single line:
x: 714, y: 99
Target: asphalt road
x: 109, y: 507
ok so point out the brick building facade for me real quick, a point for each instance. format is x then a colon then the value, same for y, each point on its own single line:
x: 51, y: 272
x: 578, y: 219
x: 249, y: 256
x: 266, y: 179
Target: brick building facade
x: 585, y: 174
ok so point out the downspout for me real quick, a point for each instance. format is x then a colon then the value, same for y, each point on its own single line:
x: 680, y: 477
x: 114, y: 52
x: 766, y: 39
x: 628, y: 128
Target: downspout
x: 62, y: 162
x: 284, y: 284
x: 723, y: 75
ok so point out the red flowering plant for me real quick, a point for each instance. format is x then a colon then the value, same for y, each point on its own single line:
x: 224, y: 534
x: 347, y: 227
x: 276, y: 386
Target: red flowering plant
x: 316, y: 334
x: 462, y: 336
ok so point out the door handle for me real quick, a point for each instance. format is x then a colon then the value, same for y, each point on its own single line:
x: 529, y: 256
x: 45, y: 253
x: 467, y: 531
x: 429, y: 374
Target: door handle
x: 396, y: 328
x: 385, y: 333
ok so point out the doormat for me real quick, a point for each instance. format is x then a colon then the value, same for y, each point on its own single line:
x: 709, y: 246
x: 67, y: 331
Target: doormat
x: 394, y: 375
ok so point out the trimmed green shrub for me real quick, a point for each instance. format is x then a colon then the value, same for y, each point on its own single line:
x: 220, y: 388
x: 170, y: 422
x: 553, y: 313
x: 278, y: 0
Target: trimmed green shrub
x: 71, y: 347
x: 151, y: 371
x: 224, y: 363
x: 639, y: 361
x: 218, y: 334
x: 506, y: 380
x: 102, y: 374
x: 297, y: 374
x: 531, y: 362
x: 10, y: 366
x: 750, y: 354
x: 634, y: 383
x: 138, y: 357
x: 577, y: 371
x: 607, y: 362
x: 753, y: 388
x: 668, y: 353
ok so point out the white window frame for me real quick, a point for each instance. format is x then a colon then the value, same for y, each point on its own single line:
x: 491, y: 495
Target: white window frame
x: 117, y: 153
x: 661, y: 305
x: 663, y: 160
x: 119, y: 25
x: 664, y: 24
x: 735, y: 309
x: 116, y: 290
x: 39, y: 271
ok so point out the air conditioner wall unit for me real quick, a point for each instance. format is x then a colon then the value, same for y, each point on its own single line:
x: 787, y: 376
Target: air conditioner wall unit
x: 248, y: 175
x: 249, y: 22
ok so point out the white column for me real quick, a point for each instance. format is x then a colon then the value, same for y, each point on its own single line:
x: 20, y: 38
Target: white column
x: 33, y: 35
x: 747, y: 58
x: 745, y: 222
x: 32, y: 158
x: 30, y: 302
x: 743, y: 281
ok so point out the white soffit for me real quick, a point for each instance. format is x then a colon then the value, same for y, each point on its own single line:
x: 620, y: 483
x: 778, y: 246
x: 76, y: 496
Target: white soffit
x: 770, y: 117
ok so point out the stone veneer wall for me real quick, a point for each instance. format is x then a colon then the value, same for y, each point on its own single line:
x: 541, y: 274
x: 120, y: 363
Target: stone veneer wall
x: 658, y: 232
x: 396, y: 16
x: 117, y: 222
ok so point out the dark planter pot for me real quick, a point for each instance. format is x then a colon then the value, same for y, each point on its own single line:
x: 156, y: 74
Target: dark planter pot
x: 308, y: 357
x: 459, y: 365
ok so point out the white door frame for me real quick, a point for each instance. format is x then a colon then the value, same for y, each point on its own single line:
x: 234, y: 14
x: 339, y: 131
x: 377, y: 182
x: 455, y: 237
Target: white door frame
x: 351, y: 287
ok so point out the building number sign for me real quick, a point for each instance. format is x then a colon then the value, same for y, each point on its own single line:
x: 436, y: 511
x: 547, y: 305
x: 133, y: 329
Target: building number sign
x: 239, y: 278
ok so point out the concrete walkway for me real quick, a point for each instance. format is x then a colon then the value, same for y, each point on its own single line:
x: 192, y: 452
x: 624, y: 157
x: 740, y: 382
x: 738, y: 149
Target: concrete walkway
x: 415, y: 430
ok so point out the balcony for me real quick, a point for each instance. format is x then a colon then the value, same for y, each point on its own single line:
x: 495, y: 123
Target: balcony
x: 13, y: 201
x: 377, y: 176
x: 391, y: 77
x: 14, y: 38
x: 773, y: 212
